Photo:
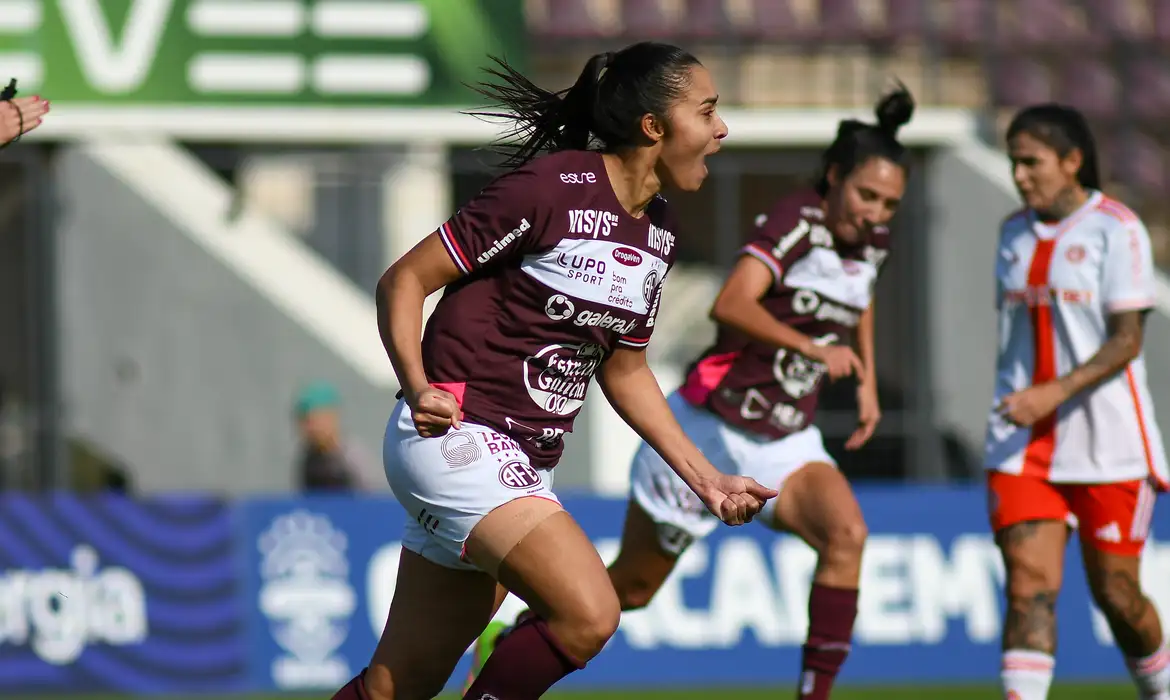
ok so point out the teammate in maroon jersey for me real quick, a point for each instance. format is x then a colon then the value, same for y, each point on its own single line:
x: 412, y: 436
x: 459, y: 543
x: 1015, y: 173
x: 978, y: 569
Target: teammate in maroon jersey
x: 800, y: 294
x: 552, y: 274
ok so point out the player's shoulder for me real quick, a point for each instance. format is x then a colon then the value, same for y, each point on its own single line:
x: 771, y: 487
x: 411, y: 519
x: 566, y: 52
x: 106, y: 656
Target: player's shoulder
x: 795, y: 221
x: 1112, y: 215
x: 1014, y: 224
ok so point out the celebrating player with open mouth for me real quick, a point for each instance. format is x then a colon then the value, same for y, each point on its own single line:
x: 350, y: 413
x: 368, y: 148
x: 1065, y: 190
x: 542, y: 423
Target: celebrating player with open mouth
x: 1072, y: 439
x: 552, y: 274
x: 801, y: 291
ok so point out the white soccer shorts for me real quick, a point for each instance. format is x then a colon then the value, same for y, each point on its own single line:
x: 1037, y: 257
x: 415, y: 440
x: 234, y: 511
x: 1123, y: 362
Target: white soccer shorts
x: 679, y: 514
x: 448, y: 483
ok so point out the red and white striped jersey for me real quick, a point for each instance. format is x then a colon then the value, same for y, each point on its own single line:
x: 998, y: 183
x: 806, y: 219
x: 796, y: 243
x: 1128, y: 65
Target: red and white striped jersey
x: 1056, y: 286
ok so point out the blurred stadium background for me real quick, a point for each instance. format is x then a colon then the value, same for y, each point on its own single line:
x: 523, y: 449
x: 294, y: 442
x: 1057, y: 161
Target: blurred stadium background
x: 195, y: 233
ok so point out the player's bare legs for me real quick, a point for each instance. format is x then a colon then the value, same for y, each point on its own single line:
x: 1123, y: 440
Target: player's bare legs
x: 542, y: 555
x: 642, y: 565
x: 1116, y: 588
x: 1033, y: 557
x: 435, y: 615
x: 817, y: 505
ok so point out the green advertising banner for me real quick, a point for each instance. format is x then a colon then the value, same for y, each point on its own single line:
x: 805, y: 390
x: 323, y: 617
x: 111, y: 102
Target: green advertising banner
x: 239, y: 53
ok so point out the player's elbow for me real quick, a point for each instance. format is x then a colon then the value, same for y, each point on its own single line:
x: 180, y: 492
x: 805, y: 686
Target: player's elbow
x: 727, y: 308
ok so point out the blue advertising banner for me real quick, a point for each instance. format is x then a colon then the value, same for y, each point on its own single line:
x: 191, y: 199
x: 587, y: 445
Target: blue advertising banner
x: 320, y: 576
x: 106, y: 593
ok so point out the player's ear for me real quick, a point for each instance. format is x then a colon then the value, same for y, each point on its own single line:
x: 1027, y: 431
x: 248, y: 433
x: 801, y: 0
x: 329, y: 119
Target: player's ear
x: 833, y: 175
x: 1071, y: 163
x: 653, y: 128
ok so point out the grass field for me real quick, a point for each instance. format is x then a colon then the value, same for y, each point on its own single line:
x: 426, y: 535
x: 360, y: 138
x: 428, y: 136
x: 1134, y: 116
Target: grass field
x: 1059, y: 692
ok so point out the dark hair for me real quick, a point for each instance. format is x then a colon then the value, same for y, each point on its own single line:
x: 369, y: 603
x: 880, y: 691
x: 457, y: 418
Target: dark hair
x: 603, y: 109
x: 857, y: 142
x: 1062, y: 129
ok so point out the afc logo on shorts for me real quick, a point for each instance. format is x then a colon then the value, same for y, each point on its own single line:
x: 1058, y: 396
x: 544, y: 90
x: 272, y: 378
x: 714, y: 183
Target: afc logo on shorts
x: 519, y: 476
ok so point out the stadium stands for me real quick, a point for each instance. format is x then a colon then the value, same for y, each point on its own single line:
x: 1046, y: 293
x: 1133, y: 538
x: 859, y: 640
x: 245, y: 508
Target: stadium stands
x: 1106, y: 57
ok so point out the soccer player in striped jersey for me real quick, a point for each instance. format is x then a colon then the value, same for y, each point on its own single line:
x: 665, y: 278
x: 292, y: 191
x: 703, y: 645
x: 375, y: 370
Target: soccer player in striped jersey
x: 1071, y: 441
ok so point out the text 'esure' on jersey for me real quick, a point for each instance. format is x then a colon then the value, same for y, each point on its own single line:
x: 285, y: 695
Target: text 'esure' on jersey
x: 821, y: 289
x: 558, y: 275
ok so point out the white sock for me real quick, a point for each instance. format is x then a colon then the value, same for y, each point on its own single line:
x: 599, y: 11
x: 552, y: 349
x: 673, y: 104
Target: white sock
x: 1026, y: 674
x: 1152, y: 674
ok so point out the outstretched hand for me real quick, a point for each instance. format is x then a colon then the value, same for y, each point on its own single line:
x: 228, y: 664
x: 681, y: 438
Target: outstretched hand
x: 734, y: 499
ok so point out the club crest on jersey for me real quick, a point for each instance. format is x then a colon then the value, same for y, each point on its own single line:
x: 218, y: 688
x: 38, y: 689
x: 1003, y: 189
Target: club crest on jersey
x: 1075, y: 254
x: 519, y: 476
x: 559, y: 307
x: 650, y: 286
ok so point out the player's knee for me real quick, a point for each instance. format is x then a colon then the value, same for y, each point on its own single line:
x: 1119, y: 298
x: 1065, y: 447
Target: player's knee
x: 1027, y: 577
x: 589, y: 627
x: 1117, y: 594
x: 845, y: 541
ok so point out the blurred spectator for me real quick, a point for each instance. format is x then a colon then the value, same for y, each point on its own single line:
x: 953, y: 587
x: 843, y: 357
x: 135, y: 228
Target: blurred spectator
x: 327, y: 461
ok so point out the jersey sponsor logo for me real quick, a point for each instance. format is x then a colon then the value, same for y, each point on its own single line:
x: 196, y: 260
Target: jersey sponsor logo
x: 504, y: 242
x: 755, y: 406
x: 627, y: 256
x: 578, y: 178
x: 875, y: 256
x: 820, y: 236
x: 789, y: 240
x: 558, y: 376
x: 798, y: 375
x: 583, y: 267
x: 660, y: 239
x: 592, y: 222
x: 603, y: 319
x: 459, y: 449
x: 650, y: 318
x: 1044, y: 295
x: 519, y: 476
x: 559, y: 307
x: 544, y: 438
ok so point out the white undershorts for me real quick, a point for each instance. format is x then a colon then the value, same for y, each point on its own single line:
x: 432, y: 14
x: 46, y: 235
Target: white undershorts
x: 679, y: 514
x: 448, y: 483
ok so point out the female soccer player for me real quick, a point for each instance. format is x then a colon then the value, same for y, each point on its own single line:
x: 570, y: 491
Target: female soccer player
x: 551, y: 274
x: 1072, y: 440
x: 802, y: 289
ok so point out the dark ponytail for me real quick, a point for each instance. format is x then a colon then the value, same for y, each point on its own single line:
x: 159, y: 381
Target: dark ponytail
x: 602, y: 110
x: 1063, y: 129
x: 857, y: 142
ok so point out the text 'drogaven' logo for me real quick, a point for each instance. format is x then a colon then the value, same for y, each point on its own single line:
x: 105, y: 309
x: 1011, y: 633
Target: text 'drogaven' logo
x: 519, y: 476
x: 627, y: 256
x: 504, y: 242
x: 307, y: 597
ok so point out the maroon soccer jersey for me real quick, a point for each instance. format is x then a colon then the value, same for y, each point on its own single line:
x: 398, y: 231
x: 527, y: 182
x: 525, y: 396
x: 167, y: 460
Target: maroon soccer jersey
x: 820, y: 289
x: 558, y: 275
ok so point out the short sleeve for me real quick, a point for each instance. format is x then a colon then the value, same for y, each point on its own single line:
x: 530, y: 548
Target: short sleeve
x: 779, y: 239
x: 1127, y: 277
x: 498, y: 225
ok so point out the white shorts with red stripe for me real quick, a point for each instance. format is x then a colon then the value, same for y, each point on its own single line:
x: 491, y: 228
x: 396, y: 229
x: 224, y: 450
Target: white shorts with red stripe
x: 448, y: 484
